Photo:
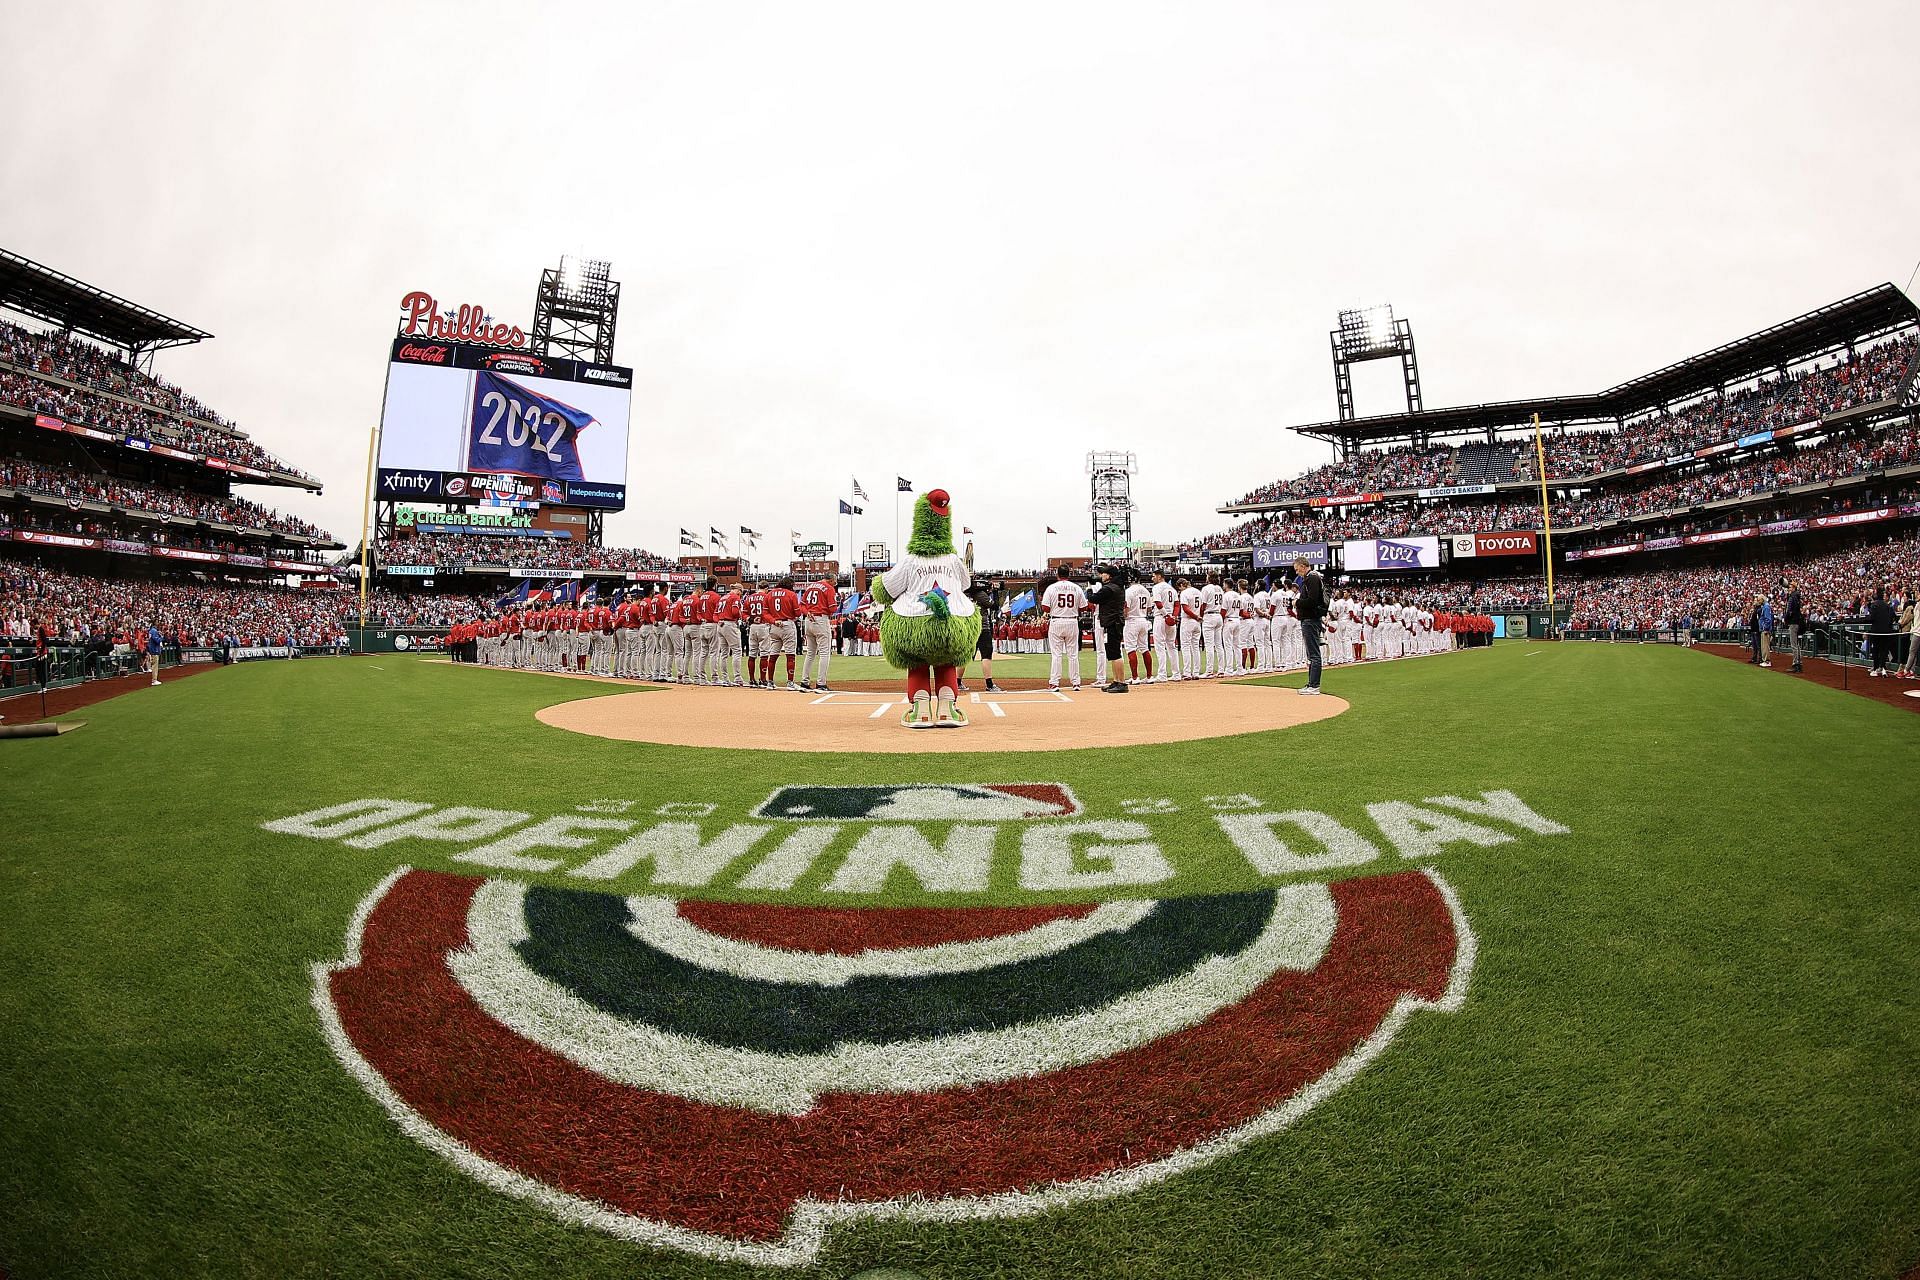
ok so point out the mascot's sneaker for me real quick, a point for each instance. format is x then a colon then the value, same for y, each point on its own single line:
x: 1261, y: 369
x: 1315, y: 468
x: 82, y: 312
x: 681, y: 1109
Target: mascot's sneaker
x: 919, y: 714
x: 950, y: 715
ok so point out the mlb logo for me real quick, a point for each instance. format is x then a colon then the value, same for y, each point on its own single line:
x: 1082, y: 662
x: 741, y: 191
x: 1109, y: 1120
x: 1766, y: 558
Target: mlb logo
x: 922, y: 802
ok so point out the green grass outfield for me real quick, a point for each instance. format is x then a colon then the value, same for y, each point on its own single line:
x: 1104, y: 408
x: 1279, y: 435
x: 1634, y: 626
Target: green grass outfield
x: 1688, y: 1046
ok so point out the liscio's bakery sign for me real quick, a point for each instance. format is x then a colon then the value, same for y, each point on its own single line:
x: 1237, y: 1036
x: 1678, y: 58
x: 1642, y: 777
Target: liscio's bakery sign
x: 425, y: 318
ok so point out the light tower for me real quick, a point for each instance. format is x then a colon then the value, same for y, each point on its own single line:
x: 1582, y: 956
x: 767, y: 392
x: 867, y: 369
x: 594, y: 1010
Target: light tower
x: 1371, y: 333
x: 1112, y: 503
x: 575, y: 310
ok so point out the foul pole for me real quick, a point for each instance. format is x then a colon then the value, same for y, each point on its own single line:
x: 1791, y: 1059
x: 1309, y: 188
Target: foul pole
x: 366, y: 535
x: 1546, y: 515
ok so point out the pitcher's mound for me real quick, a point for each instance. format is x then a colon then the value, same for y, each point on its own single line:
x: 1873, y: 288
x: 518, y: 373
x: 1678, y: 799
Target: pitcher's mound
x: 860, y: 720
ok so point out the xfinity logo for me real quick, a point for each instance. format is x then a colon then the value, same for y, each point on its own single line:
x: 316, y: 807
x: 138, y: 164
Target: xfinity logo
x: 411, y: 481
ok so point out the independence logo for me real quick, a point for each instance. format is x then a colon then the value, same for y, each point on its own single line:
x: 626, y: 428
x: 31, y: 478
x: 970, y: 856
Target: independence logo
x: 732, y: 1080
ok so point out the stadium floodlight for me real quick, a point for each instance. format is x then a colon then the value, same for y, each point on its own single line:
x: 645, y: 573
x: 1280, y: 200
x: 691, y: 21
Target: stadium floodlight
x: 1367, y: 331
x: 576, y: 309
x: 1371, y: 333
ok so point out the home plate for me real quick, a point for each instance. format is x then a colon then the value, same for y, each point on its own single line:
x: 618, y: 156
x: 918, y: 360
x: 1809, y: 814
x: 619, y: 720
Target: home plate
x: 865, y: 721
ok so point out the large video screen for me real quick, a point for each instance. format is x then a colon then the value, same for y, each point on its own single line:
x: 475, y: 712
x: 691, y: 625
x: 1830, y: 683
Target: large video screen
x: 464, y: 423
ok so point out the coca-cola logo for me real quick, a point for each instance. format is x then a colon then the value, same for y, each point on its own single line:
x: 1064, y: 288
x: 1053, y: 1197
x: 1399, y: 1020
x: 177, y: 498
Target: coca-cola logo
x: 465, y: 323
x: 425, y: 355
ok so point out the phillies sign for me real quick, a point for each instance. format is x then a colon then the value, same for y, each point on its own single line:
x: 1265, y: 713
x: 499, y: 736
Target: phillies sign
x: 423, y: 318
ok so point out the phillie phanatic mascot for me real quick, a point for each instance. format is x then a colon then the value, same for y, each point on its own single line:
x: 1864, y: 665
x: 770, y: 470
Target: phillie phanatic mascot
x: 928, y: 627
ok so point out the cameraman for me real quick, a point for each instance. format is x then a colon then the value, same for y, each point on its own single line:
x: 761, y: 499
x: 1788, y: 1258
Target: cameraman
x: 1109, y: 598
x: 988, y: 597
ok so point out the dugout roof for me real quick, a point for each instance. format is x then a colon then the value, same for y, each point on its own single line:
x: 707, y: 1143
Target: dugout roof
x: 1858, y: 319
x: 39, y: 291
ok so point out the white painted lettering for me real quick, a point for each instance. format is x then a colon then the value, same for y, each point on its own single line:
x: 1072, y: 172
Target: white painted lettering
x: 963, y: 865
x: 1425, y: 833
x: 1254, y: 835
x: 1047, y: 856
x: 678, y: 854
x: 345, y: 819
x: 554, y: 833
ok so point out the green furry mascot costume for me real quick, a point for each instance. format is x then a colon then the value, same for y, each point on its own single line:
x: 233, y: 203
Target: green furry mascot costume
x: 928, y: 627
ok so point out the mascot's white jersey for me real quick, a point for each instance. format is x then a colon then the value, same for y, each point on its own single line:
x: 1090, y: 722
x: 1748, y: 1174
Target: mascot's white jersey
x: 915, y: 576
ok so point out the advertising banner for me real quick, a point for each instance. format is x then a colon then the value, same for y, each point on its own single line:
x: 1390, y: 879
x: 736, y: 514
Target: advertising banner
x: 1456, y: 490
x: 1524, y: 543
x: 399, y: 482
x: 53, y: 539
x: 1281, y: 555
x: 1390, y: 553
x: 1853, y: 517
x: 1344, y: 500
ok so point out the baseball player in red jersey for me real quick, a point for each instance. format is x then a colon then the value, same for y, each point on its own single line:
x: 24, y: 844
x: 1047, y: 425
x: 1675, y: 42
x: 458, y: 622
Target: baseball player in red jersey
x: 782, y: 610
x: 753, y: 607
x: 679, y: 618
x: 818, y: 601
x: 727, y: 617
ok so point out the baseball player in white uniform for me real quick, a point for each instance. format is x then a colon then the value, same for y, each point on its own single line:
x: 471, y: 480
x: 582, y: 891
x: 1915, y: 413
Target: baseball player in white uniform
x: 1166, y: 628
x: 1134, y: 638
x: 1063, y: 600
x: 1192, y: 615
x: 1212, y: 622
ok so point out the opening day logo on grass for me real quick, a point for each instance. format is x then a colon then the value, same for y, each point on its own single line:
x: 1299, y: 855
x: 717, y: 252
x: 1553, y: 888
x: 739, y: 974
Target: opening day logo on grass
x: 731, y: 1079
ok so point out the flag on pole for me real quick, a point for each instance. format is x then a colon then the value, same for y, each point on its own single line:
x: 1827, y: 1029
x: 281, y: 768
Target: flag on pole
x: 715, y: 537
x: 903, y: 484
x: 846, y: 508
x: 516, y: 596
x: 689, y: 539
x: 964, y: 529
x: 1020, y: 604
x: 793, y: 536
x: 1051, y: 529
x: 858, y: 492
x: 752, y: 536
x: 591, y: 595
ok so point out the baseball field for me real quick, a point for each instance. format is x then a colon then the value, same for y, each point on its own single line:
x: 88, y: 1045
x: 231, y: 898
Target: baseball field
x: 1537, y: 959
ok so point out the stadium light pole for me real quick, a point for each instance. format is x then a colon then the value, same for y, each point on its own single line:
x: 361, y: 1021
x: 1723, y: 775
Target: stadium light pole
x: 1546, y: 516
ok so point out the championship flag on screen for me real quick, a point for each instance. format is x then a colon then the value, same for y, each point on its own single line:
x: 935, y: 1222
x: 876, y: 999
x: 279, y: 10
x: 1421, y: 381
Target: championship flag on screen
x: 858, y: 492
x: 903, y: 484
x: 513, y: 428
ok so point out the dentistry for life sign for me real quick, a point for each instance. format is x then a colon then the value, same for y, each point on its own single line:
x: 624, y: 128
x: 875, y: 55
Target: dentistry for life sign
x: 1390, y: 553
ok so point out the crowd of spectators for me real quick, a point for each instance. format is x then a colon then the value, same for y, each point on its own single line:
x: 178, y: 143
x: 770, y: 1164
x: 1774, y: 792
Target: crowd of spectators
x: 515, y: 553
x: 71, y: 482
x: 1405, y: 467
x: 1836, y: 584
x: 75, y: 607
x: 1873, y: 373
x: 421, y: 609
x: 114, y: 396
x: 1829, y: 460
x: 85, y: 525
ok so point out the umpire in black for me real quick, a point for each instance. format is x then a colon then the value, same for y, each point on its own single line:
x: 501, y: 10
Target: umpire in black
x: 1312, y: 608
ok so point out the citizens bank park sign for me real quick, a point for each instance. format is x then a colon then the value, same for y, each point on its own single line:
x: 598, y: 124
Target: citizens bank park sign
x: 554, y: 1007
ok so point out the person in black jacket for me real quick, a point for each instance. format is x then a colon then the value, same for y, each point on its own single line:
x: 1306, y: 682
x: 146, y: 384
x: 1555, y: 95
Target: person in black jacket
x: 1312, y: 609
x: 1109, y: 597
x: 1796, y: 619
x: 1881, y: 621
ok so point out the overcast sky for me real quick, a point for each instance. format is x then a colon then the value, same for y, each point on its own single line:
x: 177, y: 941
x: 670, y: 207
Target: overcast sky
x: 963, y: 245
